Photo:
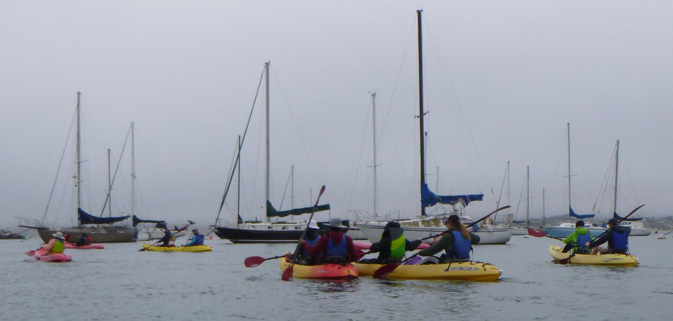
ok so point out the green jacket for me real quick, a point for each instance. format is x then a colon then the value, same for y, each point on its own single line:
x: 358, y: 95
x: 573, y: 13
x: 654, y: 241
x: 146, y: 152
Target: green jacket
x: 572, y: 238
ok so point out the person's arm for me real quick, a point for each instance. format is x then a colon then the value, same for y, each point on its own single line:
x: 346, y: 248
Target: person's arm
x: 352, y: 252
x: 571, y: 238
x: 319, y: 246
x: 412, y: 245
x: 439, y: 246
x: 600, y: 240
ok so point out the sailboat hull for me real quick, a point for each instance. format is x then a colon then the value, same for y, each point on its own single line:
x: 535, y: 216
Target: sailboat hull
x: 97, y: 234
x: 267, y: 233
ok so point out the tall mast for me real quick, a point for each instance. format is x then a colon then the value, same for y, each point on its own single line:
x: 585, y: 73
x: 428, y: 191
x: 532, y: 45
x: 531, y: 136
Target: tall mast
x: 109, y: 185
x: 614, y: 205
x: 527, y: 196
x: 569, y: 195
x: 133, y: 170
x: 238, y: 187
x: 374, y: 146
x: 420, y: 103
x: 266, y: 188
x: 79, y: 162
x: 543, y: 208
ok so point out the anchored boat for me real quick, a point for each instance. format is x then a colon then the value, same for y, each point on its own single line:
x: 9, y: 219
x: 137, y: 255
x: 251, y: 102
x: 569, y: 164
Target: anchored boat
x: 194, y: 248
x: 599, y: 259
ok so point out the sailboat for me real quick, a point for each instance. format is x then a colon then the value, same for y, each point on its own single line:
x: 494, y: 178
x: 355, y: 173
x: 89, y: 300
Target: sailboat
x: 634, y: 224
x: 100, y: 229
x: 267, y: 231
x: 424, y: 225
x: 565, y: 229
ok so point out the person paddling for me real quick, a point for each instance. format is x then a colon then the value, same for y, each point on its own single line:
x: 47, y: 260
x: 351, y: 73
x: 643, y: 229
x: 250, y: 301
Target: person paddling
x: 196, y: 239
x: 457, y: 244
x: 167, y: 240
x: 311, y: 238
x: 392, y: 246
x: 55, y: 245
x: 334, y: 246
x: 578, y: 239
x: 84, y: 240
x: 616, y: 236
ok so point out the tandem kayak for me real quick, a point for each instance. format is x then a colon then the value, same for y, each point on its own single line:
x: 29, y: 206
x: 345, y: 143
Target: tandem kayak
x: 42, y: 255
x: 84, y: 247
x: 194, y: 248
x: 600, y: 259
x: 321, y: 271
x: 465, y: 271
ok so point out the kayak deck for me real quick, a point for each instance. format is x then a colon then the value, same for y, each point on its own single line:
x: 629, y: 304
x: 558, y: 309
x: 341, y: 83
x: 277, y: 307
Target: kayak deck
x: 466, y: 271
x: 194, y: 248
x: 42, y: 255
x: 321, y: 271
x: 602, y: 259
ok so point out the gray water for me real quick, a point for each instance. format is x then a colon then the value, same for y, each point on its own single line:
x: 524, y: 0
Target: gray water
x: 120, y: 283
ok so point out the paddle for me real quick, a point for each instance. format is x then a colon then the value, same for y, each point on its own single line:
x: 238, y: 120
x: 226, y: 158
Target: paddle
x: 31, y: 252
x: 538, y: 233
x: 287, y: 274
x: 254, y: 261
x: 145, y: 248
x: 566, y: 260
x: 389, y: 268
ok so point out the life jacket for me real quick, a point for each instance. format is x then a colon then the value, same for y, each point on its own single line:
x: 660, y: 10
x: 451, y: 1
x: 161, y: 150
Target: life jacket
x: 310, y: 243
x: 58, y: 247
x: 461, y: 247
x: 398, y: 246
x: 199, y: 239
x: 340, y: 249
x: 620, y: 240
x: 582, y: 239
x: 88, y: 240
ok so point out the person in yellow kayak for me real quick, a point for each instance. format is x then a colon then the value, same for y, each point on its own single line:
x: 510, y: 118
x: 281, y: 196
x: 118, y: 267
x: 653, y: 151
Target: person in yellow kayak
x: 196, y: 239
x: 311, y: 238
x: 456, y: 244
x: 167, y: 240
x: 55, y: 245
x: 334, y: 246
x: 578, y: 239
x: 616, y: 236
x: 392, y: 246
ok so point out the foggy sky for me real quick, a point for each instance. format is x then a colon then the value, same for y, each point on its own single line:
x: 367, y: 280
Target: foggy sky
x: 502, y: 79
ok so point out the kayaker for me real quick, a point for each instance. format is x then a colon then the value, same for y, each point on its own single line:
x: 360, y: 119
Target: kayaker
x: 84, y: 240
x: 457, y: 243
x: 578, y: 239
x: 196, y: 239
x: 334, y: 246
x: 392, y: 246
x: 167, y: 240
x: 616, y: 236
x: 311, y: 238
x: 55, y: 245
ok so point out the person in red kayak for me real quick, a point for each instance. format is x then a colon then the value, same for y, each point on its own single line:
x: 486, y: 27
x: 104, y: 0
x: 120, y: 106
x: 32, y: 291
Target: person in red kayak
x: 84, y: 240
x: 334, y: 246
x: 55, y: 245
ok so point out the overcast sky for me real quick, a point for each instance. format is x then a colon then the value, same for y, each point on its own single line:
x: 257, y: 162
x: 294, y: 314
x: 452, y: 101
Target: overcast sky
x: 503, y: 78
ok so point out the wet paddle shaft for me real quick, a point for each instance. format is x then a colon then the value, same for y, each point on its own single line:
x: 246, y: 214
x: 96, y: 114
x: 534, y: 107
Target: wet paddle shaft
x: 287, y: 274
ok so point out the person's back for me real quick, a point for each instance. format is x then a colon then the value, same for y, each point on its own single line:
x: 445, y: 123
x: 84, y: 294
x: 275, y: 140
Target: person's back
x: 392, y: 246
x: 620, y: 240
x: 56, y: 244
x: 578, y: 239
x: 167, y: 239
x: 196, y: 239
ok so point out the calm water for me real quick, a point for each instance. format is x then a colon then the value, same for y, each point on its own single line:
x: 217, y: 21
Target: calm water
x: 120, y: 283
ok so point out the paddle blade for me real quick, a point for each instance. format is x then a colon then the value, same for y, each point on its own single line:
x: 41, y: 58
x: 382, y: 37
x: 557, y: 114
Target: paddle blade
x: 536, y: 233
x: 287, y: 274
x: 254, y: 261
x: 30, y: 253
x: 385, y: 270
x: 564, y: 261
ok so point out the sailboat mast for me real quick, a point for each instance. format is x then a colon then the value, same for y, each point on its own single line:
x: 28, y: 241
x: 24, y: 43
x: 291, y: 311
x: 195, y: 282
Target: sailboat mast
x: 614, y: 205
x: 543, y: 208
x: 238, y: 186
x: 569, y: 195
x: 266, y: 187
x: 109, y: 185
x: 78, y: 151
x: 374, y: 145
x: 133, y: 169
x: 420, y: 104
x: 527, y: 196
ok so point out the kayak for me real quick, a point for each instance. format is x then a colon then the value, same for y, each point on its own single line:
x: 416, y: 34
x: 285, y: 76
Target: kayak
x: 465, y: 271
x: 321, y: 271
x: 194, y: 248
x: 602, y: 259
x: 366, y: 245
x: 42, y: 255
x: 84, y: 247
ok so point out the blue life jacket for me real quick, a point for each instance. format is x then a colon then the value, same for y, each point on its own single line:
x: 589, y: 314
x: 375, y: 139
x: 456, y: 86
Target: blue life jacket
x: 461, y: 247
x: 199, y: 239
x: 340, y: 249
x: 311, y: 243
x: 582, y: 240
x: 620, y: 240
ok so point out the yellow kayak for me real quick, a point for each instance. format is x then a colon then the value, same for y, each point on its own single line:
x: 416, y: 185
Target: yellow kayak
x: 602, y: 259
x: 194, y: 248
x: 320, y: 271
x: 466, y: 271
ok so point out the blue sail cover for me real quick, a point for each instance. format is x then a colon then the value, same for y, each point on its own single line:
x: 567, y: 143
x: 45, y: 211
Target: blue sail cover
x: 573, y: 214
x: 137, y: 220
x: 86, y: 218
x: 428, y: 198
x: 273, y: 212
x: 615, y: 215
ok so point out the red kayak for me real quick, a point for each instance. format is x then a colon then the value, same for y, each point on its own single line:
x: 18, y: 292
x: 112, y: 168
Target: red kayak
x: 84, y: 247
x: 42, y: 255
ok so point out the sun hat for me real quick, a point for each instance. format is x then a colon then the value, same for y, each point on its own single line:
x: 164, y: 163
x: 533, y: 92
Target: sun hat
x: 58, y: 235
x: 336, y: 222
x: 313, y: 225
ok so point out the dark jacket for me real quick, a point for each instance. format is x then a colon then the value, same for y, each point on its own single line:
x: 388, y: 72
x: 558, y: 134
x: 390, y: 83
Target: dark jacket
x: 383, y: 247
x: 445, y: 243
x: 321, y: 247
x: 608, y: 237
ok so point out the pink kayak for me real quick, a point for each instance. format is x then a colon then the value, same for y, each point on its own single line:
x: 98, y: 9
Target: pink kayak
x: 42, y: 255
x: 84, y: 247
